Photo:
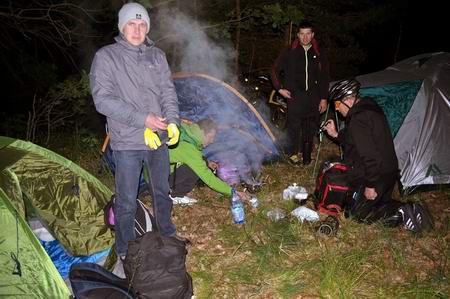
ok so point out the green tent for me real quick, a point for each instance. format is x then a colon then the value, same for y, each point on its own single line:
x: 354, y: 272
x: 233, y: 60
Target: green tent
x: 66, y: 199
x: 38, y: 276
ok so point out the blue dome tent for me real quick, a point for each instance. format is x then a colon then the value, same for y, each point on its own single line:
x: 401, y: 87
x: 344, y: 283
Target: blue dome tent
x: 245, y: 141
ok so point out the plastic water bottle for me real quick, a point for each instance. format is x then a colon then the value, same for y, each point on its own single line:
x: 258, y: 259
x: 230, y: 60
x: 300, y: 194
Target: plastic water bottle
x: 276, y: 214
x: 254, y: 202
x: 290, y: 191
x: 237, y: 209
x: 295, y: 192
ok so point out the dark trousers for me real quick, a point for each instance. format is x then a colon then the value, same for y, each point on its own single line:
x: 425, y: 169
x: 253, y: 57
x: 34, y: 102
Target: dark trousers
x: 382, y: 209
x: 127, y: 177
x: 182, y: 181
x: 301, y: 132
x: 303, y: 122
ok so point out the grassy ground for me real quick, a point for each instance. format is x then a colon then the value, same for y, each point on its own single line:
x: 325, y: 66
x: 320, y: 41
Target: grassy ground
x: 288, y: 259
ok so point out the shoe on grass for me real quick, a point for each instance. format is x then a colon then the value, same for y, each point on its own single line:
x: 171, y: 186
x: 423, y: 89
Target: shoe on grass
x: 182, y: 239
x: 118, y: 267
x: 294, y: 159
x: 185, y: 200
x: 423, y: 216
x: 409, y: 218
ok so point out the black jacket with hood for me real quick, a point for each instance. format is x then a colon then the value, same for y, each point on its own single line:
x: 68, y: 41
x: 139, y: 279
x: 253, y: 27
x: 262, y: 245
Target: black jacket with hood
x: 304, y: 73
x: 368, y: 144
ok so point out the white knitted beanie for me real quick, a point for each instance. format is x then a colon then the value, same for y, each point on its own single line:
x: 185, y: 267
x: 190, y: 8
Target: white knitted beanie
x: 133, y: 11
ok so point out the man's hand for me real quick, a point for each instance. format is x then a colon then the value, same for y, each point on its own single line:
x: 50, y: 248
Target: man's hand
x: 323, y: 105
x: 244, y: 196
x: 213, y: 165
x: 151, y: 139
x: 330, y: 128
x: 173, y: 133
x: 285, y: 93
x: 154, y: 122
x: 370, y: 193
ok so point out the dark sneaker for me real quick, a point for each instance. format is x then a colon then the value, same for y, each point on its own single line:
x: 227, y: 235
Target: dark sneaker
x: 423, y: 216
x: 409, y: 219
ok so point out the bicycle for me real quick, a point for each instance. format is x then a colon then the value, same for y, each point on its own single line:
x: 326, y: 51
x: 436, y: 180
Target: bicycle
x: 278, y: 109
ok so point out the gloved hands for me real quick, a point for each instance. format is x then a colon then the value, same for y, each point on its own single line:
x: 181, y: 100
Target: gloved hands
x: 151, y: 139
x: 173, y: 133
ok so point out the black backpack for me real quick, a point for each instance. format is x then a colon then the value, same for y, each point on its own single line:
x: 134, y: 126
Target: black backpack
x: 332, y: 192
x: 91, y: 281
x: 155, y: 267
x: 143, y: 221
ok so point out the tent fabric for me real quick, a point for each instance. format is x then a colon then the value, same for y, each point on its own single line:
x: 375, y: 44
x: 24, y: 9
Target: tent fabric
x: 396, y: 100
x: 67, y: 199
x: 63, y: 261
x: 39, y: 278
x: 421, y: 143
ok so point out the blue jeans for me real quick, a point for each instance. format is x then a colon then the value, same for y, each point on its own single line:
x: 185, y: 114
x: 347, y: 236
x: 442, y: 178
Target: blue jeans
x: 128, y: 170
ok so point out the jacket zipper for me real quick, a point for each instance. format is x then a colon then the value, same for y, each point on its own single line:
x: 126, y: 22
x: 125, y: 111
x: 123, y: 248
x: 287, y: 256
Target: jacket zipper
x: 306, y: 69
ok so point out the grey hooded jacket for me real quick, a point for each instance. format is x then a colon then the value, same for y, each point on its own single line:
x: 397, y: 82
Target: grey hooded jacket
x: 128, y: 83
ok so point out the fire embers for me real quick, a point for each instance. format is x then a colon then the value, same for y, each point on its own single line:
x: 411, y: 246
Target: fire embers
x: 253, y: 186
x: 234, y: 175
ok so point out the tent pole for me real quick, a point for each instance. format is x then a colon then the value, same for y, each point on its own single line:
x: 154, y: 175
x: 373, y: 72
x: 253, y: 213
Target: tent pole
x: 320, y: 144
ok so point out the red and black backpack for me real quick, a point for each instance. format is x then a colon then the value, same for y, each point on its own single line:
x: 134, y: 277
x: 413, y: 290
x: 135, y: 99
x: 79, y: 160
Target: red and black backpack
x: 332, y: 190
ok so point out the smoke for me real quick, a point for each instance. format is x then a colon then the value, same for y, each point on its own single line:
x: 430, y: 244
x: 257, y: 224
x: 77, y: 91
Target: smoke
x: 192, y: 46
x: 189, y: 48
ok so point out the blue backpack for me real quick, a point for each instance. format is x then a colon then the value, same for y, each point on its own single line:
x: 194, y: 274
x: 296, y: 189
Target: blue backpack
x: 91, y: 281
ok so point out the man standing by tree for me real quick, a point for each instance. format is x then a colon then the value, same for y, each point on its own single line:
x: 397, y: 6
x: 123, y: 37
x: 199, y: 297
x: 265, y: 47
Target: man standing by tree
x: 131, y: 85
x: 300, y: 75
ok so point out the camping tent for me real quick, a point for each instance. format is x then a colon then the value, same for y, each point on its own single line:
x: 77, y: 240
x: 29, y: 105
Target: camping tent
x: 415, y: 95
x: 68, y: 201
x: 245, y: 139
x: 35, y: 276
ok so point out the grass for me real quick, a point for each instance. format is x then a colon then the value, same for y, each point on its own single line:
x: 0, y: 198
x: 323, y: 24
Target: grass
x: 287, y: 259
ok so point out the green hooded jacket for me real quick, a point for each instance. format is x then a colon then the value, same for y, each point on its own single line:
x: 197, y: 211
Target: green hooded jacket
x: 189, y: 152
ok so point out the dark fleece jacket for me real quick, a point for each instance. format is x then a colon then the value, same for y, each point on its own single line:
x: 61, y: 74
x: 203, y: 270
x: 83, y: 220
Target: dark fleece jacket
x: 289, y: 70
x: 368, y: 144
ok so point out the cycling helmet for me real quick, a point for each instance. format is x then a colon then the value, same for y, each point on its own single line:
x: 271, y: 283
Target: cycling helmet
x: 344, y: 88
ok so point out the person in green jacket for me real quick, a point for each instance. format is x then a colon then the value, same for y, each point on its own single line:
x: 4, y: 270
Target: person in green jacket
x: 188, y: 164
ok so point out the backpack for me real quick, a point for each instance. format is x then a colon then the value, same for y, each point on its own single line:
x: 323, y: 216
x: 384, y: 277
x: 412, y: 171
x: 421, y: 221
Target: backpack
x: 91, y: 281
x: 143, y: 221
x: 332, y: 191
x: 155, y: 267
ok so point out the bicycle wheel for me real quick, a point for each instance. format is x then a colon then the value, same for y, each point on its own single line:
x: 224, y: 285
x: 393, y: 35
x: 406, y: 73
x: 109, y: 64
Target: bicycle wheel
x: 278, y: 110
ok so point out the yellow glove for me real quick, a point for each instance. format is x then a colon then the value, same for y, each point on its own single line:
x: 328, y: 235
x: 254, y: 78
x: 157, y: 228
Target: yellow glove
x: 173, y: 133
x: 151, y: 139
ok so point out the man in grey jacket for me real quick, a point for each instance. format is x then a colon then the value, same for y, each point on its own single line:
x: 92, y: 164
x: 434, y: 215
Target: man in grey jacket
x: 131, y: 85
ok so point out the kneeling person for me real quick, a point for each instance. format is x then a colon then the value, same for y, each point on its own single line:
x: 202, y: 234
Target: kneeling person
x: 369, y: 150
x: 188, y: 164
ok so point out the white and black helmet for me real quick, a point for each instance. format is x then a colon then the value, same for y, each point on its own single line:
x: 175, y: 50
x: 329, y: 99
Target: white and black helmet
x: 344, y: 88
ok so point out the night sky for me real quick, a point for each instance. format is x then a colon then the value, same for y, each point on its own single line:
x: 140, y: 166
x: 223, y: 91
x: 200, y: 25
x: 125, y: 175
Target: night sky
x: 425, y: 29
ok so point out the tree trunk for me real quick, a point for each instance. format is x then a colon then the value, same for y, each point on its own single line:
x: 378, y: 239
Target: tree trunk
x: 238, y: 34
x: 288, y: 34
